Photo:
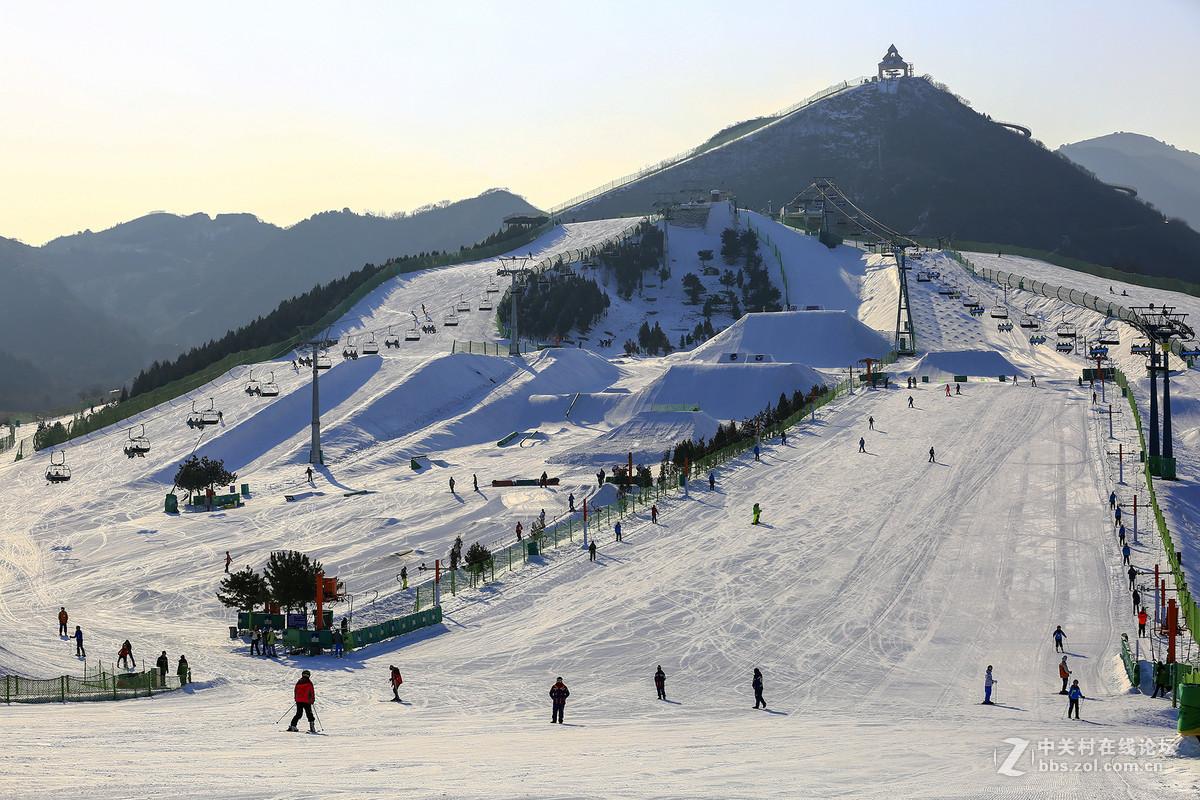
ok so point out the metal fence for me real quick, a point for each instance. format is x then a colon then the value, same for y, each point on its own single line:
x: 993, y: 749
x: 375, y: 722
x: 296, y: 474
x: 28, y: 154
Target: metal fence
x: 100, y: 684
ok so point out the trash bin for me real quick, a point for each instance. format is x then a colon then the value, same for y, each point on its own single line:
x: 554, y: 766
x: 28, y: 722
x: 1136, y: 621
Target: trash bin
x: 531, y: 548
x: 246, y: 490
x: 171, y: 504
x: 233, y: 631
x: 314, y: 644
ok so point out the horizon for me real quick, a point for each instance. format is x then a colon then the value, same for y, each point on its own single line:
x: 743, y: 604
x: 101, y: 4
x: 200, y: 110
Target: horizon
x: 109, y: 139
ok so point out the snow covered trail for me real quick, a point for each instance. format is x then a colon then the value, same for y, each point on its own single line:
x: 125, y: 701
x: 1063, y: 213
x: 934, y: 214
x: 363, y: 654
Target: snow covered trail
x: 878, y: 588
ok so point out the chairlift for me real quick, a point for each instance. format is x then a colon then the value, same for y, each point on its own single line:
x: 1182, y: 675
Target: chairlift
x: 137, y: 446
x: 1029, y: 322
x: 976, y: 311
x: 485, y: 303
x: 463, y: 305
x: 1187, y: 350
x: 491, y: 288
x: 1140, y: 349
x: 970, y: 301
x: 58, y: 471
x: 1108, y: 336
x: 1064, y: 346
x: 450, y: 320
x: 370, y: 347
x: 1037, y: 339
x: 1004, y: 327
x: 270, y: 388
x: 200, y: 418
x: 999, y: 312
x: 252, y: 384
x: 945, y: 291
x: 413, y: 334
x: 1066, y: 330
x: 391, y: 340
x: 323, y: 361
x: 1097, y: 351
x: 923, y: 277
x: 350, y: 351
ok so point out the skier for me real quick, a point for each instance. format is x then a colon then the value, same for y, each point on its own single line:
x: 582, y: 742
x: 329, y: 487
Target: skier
x: 654, y: 514
x: 757, y: 685
x: 558, y: 696
x: 451, y: 484
x: 592, y: 550
x: 957, y: 389
x: 305, y: 695
x: 309, y: 473
x: 1074, y: 696
x: 545, y: 479
x: 1142, y: 619
x: 783, y: 437
x: 125, y: 656
x: 947, y: 390
x: 1132, y: 573
x: 1112, y: 500
x: 1063, y: 673
x: 1033, y: 380
x: 255, y: 650
x: 163, y: 663
x: 404, y: 577
x: 910, y: 401
x: 757, y: 511
x: 862, y: 445
x: 1125, y: 551
x: 62, y: 622
x: 600, y: 478
x: 989, y: 682
x: 1121, y: 534
x: 571, y: 502
x: 519, y: 529
x: 617, y: 530
x: 1058, y: 635
x: 712, y: 480
x: 1093, y: 398
x: 183, y: 672
x: 757, y: 452
x: 660, y: 682
x: 1137, y: 599
x: 475, y: 481
x: 395, y: 680
x: 871, y: 422
x: 1117, y: 516
x: 339, y: 642
x: 228, y: 561
x: 79, y: 651
x: 932, y: 456
x: 269, y: 642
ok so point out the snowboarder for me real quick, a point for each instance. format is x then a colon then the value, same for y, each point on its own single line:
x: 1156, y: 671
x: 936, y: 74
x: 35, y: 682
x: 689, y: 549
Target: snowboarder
x: 932, y: 456
x: 910, y: 401
x: 617, y: 530
x: 305, y: 695
x: 712, y: 480
x: 558, y: 697
x: 862, y: 445
x: 757, y: 511
x: 1112, y: 500
x: 1059, y: 635
x: 654, y: 514
x: 1132, y: 573
x: 451, y: 484
x: 183, y: 672
x: 79, y: 651
x: 592, y: 550
x: 660, y: 682
x: 871, y: 422
x: 228, y: 561
x: 309, y: 474
x: 404, y: 577
x: 1063, y: 673
x: 571, y: 502
x: 545, y: 479
x: 62, y: 622
x: 757, y: 685
x: 339, y: 643
x: 989, y: 682
x: 395, y: 680
x: 163, y: 663
x: 1142, y: 619
x: 475, y: 481
x: 125, y: 656
x: 757, y: 452
x: 1073, y: 697
x: 1125, y: 551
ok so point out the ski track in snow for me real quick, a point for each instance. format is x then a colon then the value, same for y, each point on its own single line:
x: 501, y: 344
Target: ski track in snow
x: 872, y: 598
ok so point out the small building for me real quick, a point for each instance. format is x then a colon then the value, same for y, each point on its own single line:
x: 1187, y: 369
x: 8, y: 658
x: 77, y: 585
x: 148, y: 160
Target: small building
x: 894, y: 66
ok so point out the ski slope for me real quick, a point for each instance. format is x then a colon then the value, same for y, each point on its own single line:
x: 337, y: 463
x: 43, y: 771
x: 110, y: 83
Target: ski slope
x: 873, y: 596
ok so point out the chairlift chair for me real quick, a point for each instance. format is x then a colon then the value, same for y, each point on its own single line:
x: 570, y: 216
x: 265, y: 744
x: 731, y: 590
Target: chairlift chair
x: 463, y: 305
x: 923, y: 277
x: 450, y: 320
x: 485, y: 303
x: 491, y: 288
x: 324, y: 362
x: 58, y: 471
x: 999, y: 312
x: 210, y: 416
x: 391, y: 340
x: 270, y: 388
x: 1097, y: 351
x: 370, y: 347
x: 252, y: 384
x: 1140, y: 349
x: 1064, y: 346
x: 1108, y: 336
x: 137, y: 446
x: 1029, y: 322
x: 413, y: 334
x: 1187, y: 350
x: 1066, y: 330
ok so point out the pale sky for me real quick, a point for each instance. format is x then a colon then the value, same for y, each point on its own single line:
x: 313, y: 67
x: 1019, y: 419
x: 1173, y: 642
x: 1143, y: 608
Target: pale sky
x: 283, y: 109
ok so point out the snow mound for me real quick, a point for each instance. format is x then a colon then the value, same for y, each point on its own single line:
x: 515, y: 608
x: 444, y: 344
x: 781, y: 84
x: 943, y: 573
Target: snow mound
x: 965, y: 362
x: 725, y: 391
x: 815, y: 338
x: 647, y: 435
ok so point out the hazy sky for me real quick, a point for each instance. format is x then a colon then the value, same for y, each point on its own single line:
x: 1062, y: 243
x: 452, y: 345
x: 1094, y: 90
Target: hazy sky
x: 113, y: 109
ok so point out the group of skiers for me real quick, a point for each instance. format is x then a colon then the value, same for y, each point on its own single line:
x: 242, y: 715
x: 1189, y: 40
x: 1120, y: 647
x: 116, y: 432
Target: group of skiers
x: 125, y: 657
x: 304, y: 694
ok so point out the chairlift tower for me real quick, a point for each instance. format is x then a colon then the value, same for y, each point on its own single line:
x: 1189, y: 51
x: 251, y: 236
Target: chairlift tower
x: 514, y: 266
x: 1160, y: 325
x: 314, y: 451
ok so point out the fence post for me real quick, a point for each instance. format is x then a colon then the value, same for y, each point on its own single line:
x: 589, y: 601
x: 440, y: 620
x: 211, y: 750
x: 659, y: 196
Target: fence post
x: 492, y: 568
x: 509, y: 551
x: 62, y: 688
x: 417, y: 605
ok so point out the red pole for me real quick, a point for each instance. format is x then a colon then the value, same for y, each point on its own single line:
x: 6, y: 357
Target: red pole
x: 1172, y: 622
x: 320, y: 600
x: 1157, y: 594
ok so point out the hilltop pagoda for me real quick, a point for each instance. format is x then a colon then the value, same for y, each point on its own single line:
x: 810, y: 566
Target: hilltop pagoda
x: 894, y: 66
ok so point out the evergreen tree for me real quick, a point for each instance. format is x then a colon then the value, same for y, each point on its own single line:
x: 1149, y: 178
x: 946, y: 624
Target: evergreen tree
x: 243, y: 590
x: 292, y: 578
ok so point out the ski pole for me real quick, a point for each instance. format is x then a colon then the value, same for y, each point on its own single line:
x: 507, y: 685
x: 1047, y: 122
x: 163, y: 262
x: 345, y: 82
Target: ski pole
x: 285, y: 713
x: 318, y: 716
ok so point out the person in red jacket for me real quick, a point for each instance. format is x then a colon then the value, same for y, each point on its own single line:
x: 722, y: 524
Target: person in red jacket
x: 396, y: 680
x: 305, y: 695
x: 558, y: 696
x: 1143, y: 618
x: 62, y: 621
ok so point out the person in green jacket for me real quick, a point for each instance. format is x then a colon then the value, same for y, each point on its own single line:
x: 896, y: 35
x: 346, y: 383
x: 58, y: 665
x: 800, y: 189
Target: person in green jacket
x: 757, y: 511
x: 183, y: 671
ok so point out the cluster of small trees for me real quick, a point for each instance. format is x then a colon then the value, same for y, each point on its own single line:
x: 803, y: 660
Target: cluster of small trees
x: 650, y: 340
x: 757, y: 292
x: 701, y: 333
x: 565, y: 302
x: 689, y: 451
x: 197, y: 474
x: 631, y: 258
x: 289, y: 579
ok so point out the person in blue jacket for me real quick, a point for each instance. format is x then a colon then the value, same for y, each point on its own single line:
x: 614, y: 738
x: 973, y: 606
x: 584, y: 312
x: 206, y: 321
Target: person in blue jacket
x: 1112, y: 500
x: 617, y: 531
x: 757, y: 452
x: 1073, y: 698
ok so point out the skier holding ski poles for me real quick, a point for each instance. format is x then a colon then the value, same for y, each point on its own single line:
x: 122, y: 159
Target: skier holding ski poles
x: 305, y: 695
